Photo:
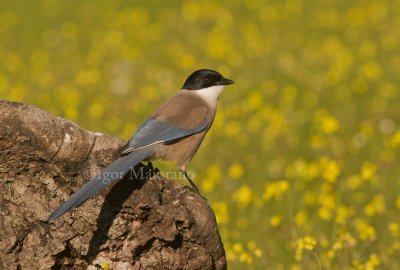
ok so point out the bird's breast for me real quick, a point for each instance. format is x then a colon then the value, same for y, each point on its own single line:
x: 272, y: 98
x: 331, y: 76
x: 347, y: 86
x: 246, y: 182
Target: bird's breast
x: 181, y: 151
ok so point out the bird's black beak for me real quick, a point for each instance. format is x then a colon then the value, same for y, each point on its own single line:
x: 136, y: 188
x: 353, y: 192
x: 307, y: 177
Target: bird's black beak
x: 225, y: 81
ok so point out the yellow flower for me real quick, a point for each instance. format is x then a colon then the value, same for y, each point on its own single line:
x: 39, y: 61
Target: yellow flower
x: 246, y: 258
x: 330, y: 169
x: 394, y: 229
x: 252, y: 245
x: 235, y: 171
x: 105, y: 266
x: 208, y: 185
x: 396, y: 245
x: 365, y: 231
x: 395, y: 139
x: 368, y: 170
x: 317, y: 141
x: 213, y: 177
x: 258, y: 253
x: 325, y: 214
x: 237, y: 248
x: 327, y: 123
x: 354, y: 182
x: 276, y: 190
x: 372, y: 70
x: 221, y: 210
x: 372, y: 262
x: 214, y: 171
x: 253, y: 248
x: 331, y: 254
x: 342, y: 215
x: 311, y: 171
x: 306, y: 243
x: 327, y: 200
x: 191, y: 11
x: 275, y: 220
x: 230, y: 255
x: 243, y: 196
x: 296, y: 169
x: 300, y: 218
x: 96, y: 110
x: 255, y: 100
x: 348, y: 240
x: 376, y: 206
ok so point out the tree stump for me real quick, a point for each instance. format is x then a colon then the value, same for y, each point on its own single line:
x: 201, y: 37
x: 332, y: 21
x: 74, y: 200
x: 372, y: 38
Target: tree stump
x: 150, y: 223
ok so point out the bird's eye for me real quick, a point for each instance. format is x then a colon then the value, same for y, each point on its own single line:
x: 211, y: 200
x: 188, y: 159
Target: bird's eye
x: 207, y: 80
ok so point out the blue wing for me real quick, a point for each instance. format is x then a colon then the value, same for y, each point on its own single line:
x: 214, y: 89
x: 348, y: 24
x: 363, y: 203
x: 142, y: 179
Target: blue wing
x: 153, y: 132
x: 136, y: 150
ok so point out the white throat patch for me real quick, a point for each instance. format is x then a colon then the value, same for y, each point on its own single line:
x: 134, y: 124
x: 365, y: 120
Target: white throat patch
x: 210, y: 94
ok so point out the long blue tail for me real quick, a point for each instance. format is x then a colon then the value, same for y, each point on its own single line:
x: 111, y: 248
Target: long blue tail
x: 113, y: 172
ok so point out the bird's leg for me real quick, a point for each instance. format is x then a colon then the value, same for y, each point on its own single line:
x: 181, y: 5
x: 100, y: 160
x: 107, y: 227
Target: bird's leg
x: 194, y: 187
x: 150, y: 165
x: 152, y: 169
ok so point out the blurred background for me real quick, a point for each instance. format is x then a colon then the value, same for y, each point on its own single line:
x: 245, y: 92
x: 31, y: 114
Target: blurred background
x: 302, y: 164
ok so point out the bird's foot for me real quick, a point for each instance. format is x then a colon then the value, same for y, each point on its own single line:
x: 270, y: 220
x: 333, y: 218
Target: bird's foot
x: 150, y: 167
x: 194, y: 187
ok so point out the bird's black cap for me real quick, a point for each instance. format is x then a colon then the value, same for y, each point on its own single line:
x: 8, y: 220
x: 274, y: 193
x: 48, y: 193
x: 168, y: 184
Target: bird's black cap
x: 204, y: 78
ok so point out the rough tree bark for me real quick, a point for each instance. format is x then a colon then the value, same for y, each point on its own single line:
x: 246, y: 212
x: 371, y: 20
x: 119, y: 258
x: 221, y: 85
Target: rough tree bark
x: 153, y: 223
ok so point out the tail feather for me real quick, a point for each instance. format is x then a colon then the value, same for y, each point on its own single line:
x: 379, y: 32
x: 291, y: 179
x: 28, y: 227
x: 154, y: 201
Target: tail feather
x: 113, y: 172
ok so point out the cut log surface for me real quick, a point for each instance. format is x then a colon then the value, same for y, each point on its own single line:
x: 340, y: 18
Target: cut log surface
x: 144, y: 221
